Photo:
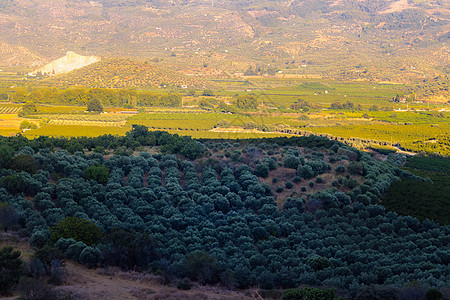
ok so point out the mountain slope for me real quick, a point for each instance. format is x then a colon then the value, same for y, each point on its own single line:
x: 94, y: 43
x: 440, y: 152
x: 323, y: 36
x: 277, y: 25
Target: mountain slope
x: 381, y: 40
x: 71, y: 61
x: 125, y: 73
x: 18, y: 56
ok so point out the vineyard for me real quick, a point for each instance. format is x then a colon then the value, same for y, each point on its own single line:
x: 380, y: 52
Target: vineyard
x: 85, y: 117
x: 415, y: 137
x: 75, y: 131
x: 10, y: 109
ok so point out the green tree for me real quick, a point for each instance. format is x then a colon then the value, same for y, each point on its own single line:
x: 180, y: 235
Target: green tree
x: 99, y: 173
x: 8, y: 216
x: 28, y: 108
x: 208, y: 93
x: 78, y: 229
x: 6, y: 156
x: 24, y: 162
x: 247, y: 102
x: 202, y: 267
x: 95, y: 105
x: 10, y: 269
x: 310, y: 294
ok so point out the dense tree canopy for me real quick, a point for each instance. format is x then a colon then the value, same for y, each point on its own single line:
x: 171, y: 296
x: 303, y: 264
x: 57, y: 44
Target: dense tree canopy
x: 189, y: 215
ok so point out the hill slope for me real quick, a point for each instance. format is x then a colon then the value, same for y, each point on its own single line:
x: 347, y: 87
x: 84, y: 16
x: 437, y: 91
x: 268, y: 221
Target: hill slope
x: 18, y: 56
x: 71, y: 61
x: 383, y: 40
x: 124, y: 73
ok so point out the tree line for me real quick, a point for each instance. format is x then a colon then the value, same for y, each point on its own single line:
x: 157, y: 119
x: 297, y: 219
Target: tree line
x: 107, y: 97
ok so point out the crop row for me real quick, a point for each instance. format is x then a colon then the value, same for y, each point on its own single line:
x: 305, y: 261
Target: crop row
x: 85, y: 117
x: 9, y: 109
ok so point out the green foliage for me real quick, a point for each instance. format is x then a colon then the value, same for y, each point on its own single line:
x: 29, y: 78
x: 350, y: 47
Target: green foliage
x: 8, y: 216
x: 429, y: 163
x: 24, y: 162
x: 27, y: 125
x: 247, y: 102
x: 6, y: 155
x: 208, y: 92
x: 13, y: 183
x: 95, y: 105
x: 421, y: 199
x: 90, y: 256
x: 200, y: 266
x: 184, y: 284
x: 433, y: 294
x: 10, y: 269
x: 319, y: 262
x: 28, y: 108
x: 99, y: 173
x: 310, y: 294
x: 77, y: 229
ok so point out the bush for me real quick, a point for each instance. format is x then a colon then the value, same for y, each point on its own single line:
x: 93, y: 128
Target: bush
x: 297, y: 179
x: 310, y: 294
x: 10, y: 269
x: 311, y: 184
x: 289, y: 185
x: 77, y: 229
x: 184, y: 284
x: 99, y: 173
x: 319, y: 179
x: 90, y: 257
x: 433, y: 294
x: 340, y: 169
x: 279, y: 189
x: 319, y: 263
x: 95, y: 105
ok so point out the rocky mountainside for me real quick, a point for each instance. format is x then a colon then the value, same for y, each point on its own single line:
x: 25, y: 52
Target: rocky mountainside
x: 71, y: 61
x: 384, y: 40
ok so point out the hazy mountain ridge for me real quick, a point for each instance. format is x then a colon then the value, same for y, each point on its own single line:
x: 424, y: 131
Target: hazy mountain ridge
x: 372, y: 40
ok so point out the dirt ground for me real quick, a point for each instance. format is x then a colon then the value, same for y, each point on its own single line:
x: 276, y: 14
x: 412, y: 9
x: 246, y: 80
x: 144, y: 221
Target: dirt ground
x: 111, y: 284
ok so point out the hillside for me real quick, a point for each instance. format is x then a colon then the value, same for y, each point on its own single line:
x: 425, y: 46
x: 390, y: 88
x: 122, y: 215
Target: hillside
x: 124, y: 73
x: 380, y: 40
x: 18, y: 56
x: 71, y: 61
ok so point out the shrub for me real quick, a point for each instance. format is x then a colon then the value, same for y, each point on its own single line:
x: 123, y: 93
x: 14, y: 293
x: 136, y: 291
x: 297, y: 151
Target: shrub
x: 319, y: 263
x: 10, y: 269
x: 289, y: 185
x: 279, y: 189
x: 90, y: 256
x: 184, y: 284
x: 297, y: 179
x: 310, y: 294
x: 340, y: 169
x: 79, y: 229
x: 311, y: 184
x: 99, y: 173
x: 433, y: 294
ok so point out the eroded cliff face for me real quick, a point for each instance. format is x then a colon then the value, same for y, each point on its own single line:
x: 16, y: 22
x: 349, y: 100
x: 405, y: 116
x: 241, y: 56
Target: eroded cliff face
x: 71, y: 61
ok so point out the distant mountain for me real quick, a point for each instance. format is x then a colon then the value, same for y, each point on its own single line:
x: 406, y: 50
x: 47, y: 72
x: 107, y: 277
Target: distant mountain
x: 125, y: 73
x: 381, y: 40
x: 71, y: 61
